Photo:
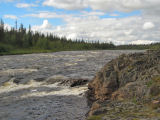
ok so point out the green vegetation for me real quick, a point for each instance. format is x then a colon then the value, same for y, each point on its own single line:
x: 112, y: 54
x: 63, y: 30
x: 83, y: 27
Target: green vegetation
x: 134, y: 100
x: 155, y: 86
x: 23, y: 41
x: 154, y: 81
x: 96, y: 117
x: 154, y: 46
x: 20, y: 40
x: 149, y: 83
x: 134, y: 113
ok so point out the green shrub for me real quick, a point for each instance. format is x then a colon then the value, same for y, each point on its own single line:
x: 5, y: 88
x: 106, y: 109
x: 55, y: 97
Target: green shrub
x: 5, y: 48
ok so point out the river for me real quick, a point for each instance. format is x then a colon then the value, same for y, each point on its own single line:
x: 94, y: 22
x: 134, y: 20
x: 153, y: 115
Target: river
x: 25, y: 94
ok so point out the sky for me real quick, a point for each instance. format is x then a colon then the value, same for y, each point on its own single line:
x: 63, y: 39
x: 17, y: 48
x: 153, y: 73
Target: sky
x: 116, y: 21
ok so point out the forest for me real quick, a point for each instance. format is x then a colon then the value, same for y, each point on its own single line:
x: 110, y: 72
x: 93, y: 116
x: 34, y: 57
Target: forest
x: 21, y: 41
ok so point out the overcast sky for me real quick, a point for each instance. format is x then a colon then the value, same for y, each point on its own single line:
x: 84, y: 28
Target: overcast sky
x: 117, y: 21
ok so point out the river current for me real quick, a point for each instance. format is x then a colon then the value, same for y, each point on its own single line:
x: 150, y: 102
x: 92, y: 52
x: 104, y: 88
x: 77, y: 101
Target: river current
x: 25, y: 95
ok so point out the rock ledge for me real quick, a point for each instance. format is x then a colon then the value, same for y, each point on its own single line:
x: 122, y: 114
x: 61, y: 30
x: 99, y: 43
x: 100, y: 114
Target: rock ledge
x: 126, y: 84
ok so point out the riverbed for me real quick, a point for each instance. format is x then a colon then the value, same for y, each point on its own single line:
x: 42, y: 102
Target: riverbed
x: 25, y: 93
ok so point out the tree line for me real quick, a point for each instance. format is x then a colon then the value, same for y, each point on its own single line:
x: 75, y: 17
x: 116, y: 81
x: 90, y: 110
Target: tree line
x: 20, y: 40
x: 23, y: 39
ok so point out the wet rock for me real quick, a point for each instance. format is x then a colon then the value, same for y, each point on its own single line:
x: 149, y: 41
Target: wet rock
x: 74, y: 82
x: 4, y: 79
x: 128, y: 78
x: 17, y: 81
x: 40, y: 79
x: 79, y: 82
x: 55, y: 79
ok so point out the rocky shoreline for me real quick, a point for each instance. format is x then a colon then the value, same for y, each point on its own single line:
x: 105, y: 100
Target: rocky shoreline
x: 127, y: 88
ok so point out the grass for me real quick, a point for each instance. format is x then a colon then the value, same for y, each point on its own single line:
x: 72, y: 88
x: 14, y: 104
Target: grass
x: 35, y: 50
x: 136, y: 114
x: 134, y: 100
x: 96, y: 117
x: 26, y: 51
x: 154, y: 86
x: 149, y: 84
x: 155, y: 80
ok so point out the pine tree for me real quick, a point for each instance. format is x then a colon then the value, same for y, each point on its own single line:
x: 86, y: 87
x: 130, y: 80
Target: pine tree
x: 1, y: 30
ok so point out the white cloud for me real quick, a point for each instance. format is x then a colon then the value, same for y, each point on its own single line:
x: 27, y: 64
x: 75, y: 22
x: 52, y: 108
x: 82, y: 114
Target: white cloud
x: 142, y: 29
x: 92, y: 13
x: 119, y: 31
x: 66, y: 17
x: 25, y: 5
x: 10, y: 17
x: 66, y: 4
x: 91, y: 26
x: 148, y: 25
x: 137, y: 42
x: 46, y: 14
x: 146, y: 6
x: 7, y: 26
x: 114, y: 15
x: 125, y: 5
x: 45, y: 27
x: 72, y: 36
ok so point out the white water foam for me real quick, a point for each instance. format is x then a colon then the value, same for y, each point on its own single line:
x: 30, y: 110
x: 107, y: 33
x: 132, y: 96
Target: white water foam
x: 64, y: 90
x: 17, y: 71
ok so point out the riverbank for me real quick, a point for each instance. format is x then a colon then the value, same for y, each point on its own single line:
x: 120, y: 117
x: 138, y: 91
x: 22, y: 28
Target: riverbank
x: 127, y: 88
x: 39, y: 51
x: 25, y: 51
x: 11, y: 50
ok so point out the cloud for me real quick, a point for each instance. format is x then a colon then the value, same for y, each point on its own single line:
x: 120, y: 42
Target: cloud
x: 146, y: 6
x: 138, y: 42
x: 25, y: 5
x: 66, y: 4
x: 93, y: 26
x: 45, y: 27
x: 10, y: 17
x: 7, y: 26
x: 46, y: 14
x: 92, y: 13
x: 65, y: 17
x: 119, y: 31
x: 114, y: 15
x: 125, y: 5
x: 148, y: 25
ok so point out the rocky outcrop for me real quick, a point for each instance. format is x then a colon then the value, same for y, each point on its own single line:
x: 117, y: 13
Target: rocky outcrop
x: 133, y: 77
